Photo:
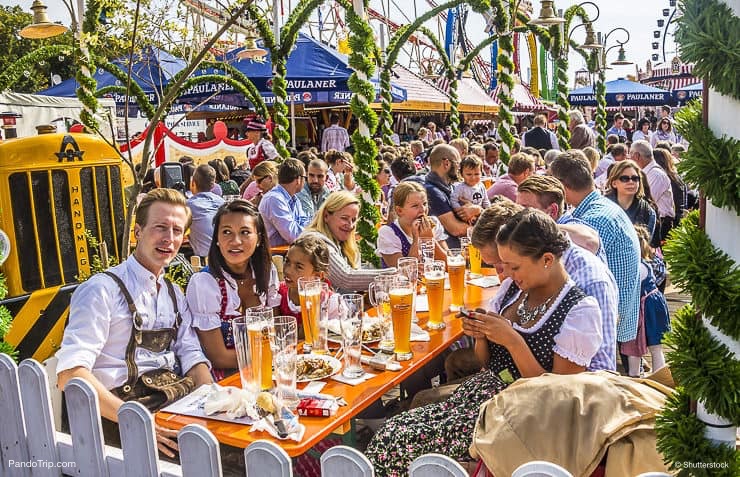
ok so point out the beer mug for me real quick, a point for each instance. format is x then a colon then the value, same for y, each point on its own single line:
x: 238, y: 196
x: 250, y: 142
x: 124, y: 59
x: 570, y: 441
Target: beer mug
x: 402, y: 296
x: 309, y: 294
x: 259, y: 321
x: 456, y: 271
x: 434, y: 277
x: 284, y: 343
x: 410, y: 268
x: 426, y: 249
x: 378, y: 292
x: 350, y: 321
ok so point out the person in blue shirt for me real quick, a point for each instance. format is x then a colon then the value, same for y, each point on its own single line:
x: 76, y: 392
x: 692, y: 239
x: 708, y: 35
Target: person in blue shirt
x: 203, y: 205
x: 617, y: 235
x: 617, y: 128
x: 280, y: 208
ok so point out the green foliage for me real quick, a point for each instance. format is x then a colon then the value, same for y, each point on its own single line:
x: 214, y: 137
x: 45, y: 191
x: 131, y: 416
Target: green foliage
x: 179, y: 274
x: 703, y: 366
x: 709, y: 35
x: 707, y: 273
x: 5, y: 321
x: 711, y: 163
x: 680, y: 438
x: 97, y: 263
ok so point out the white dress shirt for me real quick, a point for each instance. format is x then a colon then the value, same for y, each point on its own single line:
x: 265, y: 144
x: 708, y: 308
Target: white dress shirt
x: 660, y: 189
x: 100, y: 325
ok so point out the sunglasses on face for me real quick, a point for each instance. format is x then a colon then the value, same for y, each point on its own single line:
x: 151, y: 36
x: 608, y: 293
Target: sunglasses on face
x: 626, y: 179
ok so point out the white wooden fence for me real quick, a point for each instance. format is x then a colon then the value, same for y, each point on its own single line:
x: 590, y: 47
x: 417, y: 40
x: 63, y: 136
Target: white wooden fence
x: 30, y: 446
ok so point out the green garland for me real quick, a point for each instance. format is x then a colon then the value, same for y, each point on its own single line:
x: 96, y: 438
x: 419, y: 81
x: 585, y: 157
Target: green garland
x: 601, y: 110
x: 703, y: 366
x: 13, y: 72
x: 88, y: 85
x: 136, y: 91
x: 711, y: 163
x: 504, y: 29
x: 451, y: 77
x: 708, y: 274
x: 709, y: 35
x: 6, y: 320
x: 394, y: 49
x: 681, y: 441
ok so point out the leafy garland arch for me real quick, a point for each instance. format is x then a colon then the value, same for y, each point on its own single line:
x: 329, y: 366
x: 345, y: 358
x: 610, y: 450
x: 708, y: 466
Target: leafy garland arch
x: 236, y: 79
x: 362, y: 60
x: 13, y: 72
x: 394, y: 49
x: 135, y: 90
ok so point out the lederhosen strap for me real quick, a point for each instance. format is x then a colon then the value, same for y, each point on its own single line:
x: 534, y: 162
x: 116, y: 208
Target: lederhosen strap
x: 137, y: 333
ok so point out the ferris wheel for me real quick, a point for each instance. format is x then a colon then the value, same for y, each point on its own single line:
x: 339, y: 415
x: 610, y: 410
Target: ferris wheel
x: 664, y: 36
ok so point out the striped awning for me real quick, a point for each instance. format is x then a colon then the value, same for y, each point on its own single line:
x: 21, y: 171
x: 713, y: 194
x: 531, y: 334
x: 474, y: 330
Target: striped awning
x: 524, y: 101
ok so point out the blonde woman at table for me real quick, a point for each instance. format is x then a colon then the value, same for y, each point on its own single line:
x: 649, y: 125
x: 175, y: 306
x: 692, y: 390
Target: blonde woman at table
x: 335, y: 223
x: 541, y: 322
x: 401, y: 237
x: 240, y: 275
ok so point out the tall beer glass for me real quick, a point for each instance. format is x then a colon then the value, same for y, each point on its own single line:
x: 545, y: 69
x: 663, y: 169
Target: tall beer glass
x: 309, y: 294
x: 259, y: 321
x: 456, y: 270
x: 409, y: 267
x: 248, y: 366
x: 402, y: 295
x: 473, y: 255
x: 434, y: 277
x: 284, y: 342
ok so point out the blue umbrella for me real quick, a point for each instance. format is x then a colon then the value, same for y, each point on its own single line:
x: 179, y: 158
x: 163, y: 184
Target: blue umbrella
x: 151, y: 70
x: 621, y: 92
x: 687, y: 93
x: 316, y: 74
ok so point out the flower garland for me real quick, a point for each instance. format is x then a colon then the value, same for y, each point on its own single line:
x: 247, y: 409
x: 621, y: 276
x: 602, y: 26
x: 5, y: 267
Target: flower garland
x: 136, y: 91
x: 86, y: 63
x: 709, y: 38
x: 22, y: 65
x: 451, y: 77
x: 601, y: 110
x: 703, y: 367
x: 394, y: 48
x: 711, y: 163
x: 503, y: 25
x: 6, y: 320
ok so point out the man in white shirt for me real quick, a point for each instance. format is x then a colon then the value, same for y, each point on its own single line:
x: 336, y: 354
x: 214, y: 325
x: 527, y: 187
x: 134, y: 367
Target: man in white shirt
x: 660, y: 185
x: 335, y: 136
x: 101, y: 330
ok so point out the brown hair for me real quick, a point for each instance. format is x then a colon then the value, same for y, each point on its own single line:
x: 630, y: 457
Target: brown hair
x: 490, y: 221
x: 532, y: 233
x: 403, y: 190
x: 471, y: 161
x: 547, y: 189
x: 167, y: 196
x: 520, y: 162
x: 316, y: 249
x: 616, y: 171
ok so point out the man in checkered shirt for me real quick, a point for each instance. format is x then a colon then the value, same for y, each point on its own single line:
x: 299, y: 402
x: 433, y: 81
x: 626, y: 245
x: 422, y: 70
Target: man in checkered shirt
x: 617, y: 236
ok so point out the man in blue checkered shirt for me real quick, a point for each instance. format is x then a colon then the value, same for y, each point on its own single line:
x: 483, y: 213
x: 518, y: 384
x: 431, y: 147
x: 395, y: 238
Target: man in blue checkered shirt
x: 617, y: 236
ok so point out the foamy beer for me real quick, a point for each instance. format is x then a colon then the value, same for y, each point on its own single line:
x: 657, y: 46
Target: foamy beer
x: 259, y: 320
x: 456, y: 270
x: 434, y: 278
x: 309, y: 293
x: 402, y: 295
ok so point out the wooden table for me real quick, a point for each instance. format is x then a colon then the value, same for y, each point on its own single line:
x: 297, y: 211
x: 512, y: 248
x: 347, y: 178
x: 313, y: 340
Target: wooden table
x: 358, y: 397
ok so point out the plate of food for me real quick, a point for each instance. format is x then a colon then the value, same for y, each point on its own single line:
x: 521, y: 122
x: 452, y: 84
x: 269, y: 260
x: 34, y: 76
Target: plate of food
x: 312, y: 367
x: 371, y: 330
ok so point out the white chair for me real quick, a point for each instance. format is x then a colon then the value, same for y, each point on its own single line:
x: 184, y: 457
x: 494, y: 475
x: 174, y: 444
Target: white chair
x: 540, y: 468
x: 54, y: 393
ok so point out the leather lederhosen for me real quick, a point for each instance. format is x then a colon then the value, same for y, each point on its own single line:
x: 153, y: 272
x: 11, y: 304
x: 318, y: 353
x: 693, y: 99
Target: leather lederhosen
x: 159, y: 387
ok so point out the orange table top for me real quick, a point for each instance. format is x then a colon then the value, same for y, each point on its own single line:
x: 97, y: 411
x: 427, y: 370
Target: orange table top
x: 357, y: 397
x: 279, y: 249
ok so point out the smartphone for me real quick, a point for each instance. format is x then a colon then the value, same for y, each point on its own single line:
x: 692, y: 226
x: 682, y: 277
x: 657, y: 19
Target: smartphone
x: 468, y: 314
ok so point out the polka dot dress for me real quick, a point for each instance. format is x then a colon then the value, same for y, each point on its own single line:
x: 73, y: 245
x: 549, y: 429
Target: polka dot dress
x: 447, y: 427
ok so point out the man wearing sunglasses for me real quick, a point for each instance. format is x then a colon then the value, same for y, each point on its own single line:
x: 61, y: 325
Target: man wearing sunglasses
x: 660, y: 184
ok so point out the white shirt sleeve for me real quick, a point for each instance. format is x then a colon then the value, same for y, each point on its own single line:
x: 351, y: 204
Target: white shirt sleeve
x: 439, y: 230
x: 580, y: 335
x: 204, y: 299
x: 388, y: 241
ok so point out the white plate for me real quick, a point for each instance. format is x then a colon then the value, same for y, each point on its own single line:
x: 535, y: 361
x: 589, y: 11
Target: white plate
x: 335, y: 364
x: 367, y: 321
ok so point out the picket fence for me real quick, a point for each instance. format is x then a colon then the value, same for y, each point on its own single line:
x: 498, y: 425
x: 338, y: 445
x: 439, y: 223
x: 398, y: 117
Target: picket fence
x: 30, y: 446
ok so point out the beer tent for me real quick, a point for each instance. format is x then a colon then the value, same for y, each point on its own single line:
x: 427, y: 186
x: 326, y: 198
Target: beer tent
x: 621, y: 92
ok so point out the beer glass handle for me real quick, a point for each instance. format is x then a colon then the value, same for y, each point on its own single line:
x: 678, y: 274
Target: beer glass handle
x: 371, y: 293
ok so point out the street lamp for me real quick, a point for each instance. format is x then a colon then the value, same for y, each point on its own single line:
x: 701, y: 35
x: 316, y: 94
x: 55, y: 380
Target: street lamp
x: 547, y: 15
x: 600, y: 87
x: 42, y: 27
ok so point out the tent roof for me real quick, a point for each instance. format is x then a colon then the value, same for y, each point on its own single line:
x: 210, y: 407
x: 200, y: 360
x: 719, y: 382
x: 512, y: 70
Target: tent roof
x: 524, y: 100
x: 692, y: 87
x: 473, y: 98
x: 421, y: 94
x: 620, y: 85
x: 151, y: 69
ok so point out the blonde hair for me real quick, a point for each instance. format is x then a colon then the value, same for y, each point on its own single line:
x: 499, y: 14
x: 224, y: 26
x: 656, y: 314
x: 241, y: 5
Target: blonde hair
x: 461, y: 144
x: 403, y: 190
x: 166, y: 196
x: 264, y: 169
x: 593, y: 156
x: 334, y: 202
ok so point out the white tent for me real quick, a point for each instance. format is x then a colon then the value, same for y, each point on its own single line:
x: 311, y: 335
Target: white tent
x: 36, y: 110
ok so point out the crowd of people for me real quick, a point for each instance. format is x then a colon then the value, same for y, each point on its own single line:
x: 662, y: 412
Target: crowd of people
x: 575, y: 238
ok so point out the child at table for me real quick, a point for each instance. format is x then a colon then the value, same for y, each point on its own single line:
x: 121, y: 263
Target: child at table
x: 471, y: 190
x: 307, y: 257
x: 401, y: 237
